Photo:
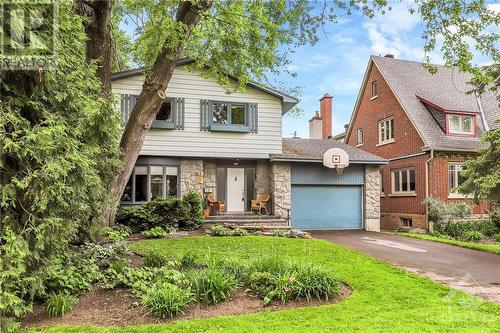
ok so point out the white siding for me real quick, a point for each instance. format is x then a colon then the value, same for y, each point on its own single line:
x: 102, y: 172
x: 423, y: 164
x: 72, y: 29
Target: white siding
x: 196, y: 143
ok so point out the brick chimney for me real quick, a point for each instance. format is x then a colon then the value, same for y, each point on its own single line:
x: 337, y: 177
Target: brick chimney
x: 315, y: 125
x: 325, y: 107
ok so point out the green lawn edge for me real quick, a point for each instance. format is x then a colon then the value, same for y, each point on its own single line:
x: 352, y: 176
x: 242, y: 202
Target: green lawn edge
x: 384, y: 299
x: 492, y: 248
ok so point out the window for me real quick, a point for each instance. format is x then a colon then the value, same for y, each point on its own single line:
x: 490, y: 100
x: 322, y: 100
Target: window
x: 374, y: 89
x: 150, y: 181
x: 406, y: 222
x: 386, y: 130
x: 458, y: 124
x: 165, y: 116
x: 403, y: 181
x: 360, y: 136
x: 454, y: 177
x: 229, y: 116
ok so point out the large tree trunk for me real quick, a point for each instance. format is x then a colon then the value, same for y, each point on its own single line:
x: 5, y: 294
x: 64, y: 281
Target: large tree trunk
x: 150, y: 99
x: 98, y: 31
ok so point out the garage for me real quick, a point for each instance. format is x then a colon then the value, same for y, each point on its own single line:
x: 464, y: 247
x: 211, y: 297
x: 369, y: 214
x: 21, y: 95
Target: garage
x: 327, y: 207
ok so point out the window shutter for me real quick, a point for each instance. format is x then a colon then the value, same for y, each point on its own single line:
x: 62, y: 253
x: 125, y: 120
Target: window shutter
x: 178, y: 109
x: 126, y: 106
x: 204, y: 115
x: 253, y: 117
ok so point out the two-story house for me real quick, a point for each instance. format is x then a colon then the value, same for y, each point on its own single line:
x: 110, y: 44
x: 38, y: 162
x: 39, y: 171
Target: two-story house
x: 426, y: 125
x: 231, y: 145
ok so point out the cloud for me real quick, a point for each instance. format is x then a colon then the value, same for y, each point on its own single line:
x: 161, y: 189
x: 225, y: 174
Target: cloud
x: 494, y: 7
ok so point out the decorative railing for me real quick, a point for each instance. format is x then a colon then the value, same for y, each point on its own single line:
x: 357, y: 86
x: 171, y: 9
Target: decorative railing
x: 284, y: 208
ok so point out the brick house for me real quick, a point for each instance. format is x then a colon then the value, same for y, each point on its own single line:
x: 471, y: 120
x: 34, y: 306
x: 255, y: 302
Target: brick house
x: 426, y: 126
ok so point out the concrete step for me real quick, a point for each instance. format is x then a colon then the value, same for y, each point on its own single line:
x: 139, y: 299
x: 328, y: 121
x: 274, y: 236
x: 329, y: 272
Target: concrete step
x: 242, y: 217
x: 248, y: 223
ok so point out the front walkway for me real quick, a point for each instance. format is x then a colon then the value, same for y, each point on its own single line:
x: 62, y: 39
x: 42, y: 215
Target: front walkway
x: 469, y: 270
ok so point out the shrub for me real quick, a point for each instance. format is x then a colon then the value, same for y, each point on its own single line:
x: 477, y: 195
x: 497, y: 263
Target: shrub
x: 170, y: 212
x: 262, y: 283
x: 155, y: 259
x: 315, y: 281
x: 174, y: 277
x: 210, y: 286
x: 138, y: 279
x: 442, y: 213
x: 238, y: 232
x: 156, y: 232
x: 118, y: 232
x: 497, y: 237
x: 119, y: 266
x: 231, y: 266
x: 166, y: 300
x: 72, y: 274
x: 495, y: 218
x: 59, y: 304
x: 486, y: 227
x: 473, y: 236
x: 294, y: 233
x: 188, y: 260
x: 108, y: 252
x: 218, y: 230
x: 279, y: 233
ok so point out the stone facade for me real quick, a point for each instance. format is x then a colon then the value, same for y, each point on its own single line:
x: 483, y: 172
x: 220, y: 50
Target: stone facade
x: 372, y: 198
x: 281, y: 187
x: 191, y: 176
x: 209, y: 174
x: 262, y: 177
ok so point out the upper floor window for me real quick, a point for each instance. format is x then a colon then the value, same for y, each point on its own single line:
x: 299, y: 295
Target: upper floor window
x: 229, y: 113
x: 386, y: 130
x: 228, y: 116
x: 374, y: 89
x: 403, y: 181
x: 460, y: 124
x: 360, y: 136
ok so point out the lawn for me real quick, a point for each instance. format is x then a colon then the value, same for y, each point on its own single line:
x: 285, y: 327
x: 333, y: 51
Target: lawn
x: 493, y: 248
x: 384, y: 299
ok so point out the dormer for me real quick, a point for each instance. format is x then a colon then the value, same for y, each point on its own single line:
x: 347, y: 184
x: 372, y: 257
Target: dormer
x: 452, y: 122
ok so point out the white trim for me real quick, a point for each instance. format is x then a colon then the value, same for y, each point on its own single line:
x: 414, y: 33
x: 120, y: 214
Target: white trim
x: 385, y: 143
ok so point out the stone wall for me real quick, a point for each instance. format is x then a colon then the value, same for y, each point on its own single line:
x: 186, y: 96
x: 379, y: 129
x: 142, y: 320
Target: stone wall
x: 191, y: 176
x: 262, y: 177
x: 281, y: 187
x: 372, y: 198
x: 209, y: 174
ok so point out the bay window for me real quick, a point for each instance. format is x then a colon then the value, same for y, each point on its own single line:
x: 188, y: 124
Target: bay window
x: 148, y: 182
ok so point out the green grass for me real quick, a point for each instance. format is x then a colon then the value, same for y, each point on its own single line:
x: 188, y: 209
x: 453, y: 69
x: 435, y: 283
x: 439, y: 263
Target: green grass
x: 493, y: 248
x: 384, y: 298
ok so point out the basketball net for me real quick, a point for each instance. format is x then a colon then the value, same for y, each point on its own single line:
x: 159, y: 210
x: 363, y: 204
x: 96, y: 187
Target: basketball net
x: 339, y: 170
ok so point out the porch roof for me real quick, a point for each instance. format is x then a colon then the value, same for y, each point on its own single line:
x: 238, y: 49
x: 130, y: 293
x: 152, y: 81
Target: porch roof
x: 312, y: 150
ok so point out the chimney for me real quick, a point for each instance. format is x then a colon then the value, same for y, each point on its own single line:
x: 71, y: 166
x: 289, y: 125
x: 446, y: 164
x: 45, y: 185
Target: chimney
x: 325, y: 106
x: 315, y: 131
x: 346, y: 127
x: 388, y: 55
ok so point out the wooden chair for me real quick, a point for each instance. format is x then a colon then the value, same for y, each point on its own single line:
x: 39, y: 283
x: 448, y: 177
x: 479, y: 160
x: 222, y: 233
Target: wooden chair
x: 215, y: 205
x: 260, y: 203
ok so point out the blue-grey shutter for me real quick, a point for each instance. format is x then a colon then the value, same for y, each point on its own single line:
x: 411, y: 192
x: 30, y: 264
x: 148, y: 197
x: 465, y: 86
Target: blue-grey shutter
x: 253, y: 117
x: 126, y: 106
x: 178, y: 106
x: 204, y: 115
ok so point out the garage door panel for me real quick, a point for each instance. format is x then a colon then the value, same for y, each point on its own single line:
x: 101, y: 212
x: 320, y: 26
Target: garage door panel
x: 326, y: 207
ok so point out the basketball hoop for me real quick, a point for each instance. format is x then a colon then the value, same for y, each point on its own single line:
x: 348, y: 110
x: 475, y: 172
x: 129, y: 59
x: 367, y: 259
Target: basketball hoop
x: 336, y: 158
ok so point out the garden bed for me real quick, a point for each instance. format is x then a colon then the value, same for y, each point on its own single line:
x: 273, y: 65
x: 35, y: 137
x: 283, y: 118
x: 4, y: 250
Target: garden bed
x: 119, y: 307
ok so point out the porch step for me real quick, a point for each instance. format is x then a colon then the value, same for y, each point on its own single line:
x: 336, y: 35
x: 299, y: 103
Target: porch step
x: 249, y: 223
x: 243, y: 217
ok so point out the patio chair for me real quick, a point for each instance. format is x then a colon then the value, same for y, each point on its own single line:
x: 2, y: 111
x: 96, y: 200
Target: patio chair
x: 215, y: 205
x: 260, y: 203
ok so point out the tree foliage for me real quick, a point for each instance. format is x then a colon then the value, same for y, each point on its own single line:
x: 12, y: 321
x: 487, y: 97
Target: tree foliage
x: 59, y: 154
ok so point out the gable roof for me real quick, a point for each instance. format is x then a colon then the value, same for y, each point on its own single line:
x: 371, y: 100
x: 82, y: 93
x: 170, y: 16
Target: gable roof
x: 411, y: 83
x: 287, y: 101
x: 312, y: 150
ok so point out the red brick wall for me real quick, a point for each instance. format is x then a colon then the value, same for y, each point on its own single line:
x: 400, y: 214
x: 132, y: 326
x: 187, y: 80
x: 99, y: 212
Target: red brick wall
x: 438, y: 184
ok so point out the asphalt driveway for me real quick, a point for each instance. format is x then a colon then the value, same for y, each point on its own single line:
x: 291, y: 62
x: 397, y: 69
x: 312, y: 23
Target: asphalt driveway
x: 469, y: 270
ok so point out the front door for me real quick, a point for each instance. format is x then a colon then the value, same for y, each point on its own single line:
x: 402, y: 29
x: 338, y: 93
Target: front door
x: 235, y: 189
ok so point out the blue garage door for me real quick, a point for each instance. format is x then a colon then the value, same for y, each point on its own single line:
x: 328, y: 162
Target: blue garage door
x: 326, y: 207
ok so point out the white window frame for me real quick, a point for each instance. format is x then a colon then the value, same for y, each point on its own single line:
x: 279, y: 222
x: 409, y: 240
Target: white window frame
x: 360, y: 136
x: 406, y: 219
x: 457, y: 168
x: 401, y: 174
x: 385, y: 123
x: 461, y: 124
x: 374, y: 92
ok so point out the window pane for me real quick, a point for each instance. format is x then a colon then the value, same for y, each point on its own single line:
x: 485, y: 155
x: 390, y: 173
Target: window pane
x: 451, y: 176
x: 404, y: 180
x: 219, y: 113
x: 156, y: 181
x: 382, y: 182
x: 382, y: 131
x: 391, y: 126
x: 467, y: 124
x: 454, y: 124
x: 412, y: 180
x: 127, y: 194
x: 171, y: 171
x: 165, y: 112
x: 141, y: 183
x: 238, y: 114
x: 461, y: 179
x: 360, y: 136
x: 374, y: 88
x: 171, y: 185
x: 397, y: 187
x: 387, y: 130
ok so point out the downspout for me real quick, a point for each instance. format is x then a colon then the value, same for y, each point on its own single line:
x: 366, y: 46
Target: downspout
x: 427, y: 188
x: 483, y: 119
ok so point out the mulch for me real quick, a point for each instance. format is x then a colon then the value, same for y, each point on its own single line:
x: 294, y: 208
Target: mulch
x: 119, y: 307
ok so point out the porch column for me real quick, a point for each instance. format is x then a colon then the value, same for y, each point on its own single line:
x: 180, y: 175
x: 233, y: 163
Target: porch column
x: 281, y: 187
x: 191, y: 176
x: 372, y: 198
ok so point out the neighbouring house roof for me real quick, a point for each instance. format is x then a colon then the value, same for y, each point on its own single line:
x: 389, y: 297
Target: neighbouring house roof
x: 312, y: 150
x: 287, y: 101
x: 339, y: 136
x: 413, y: 85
